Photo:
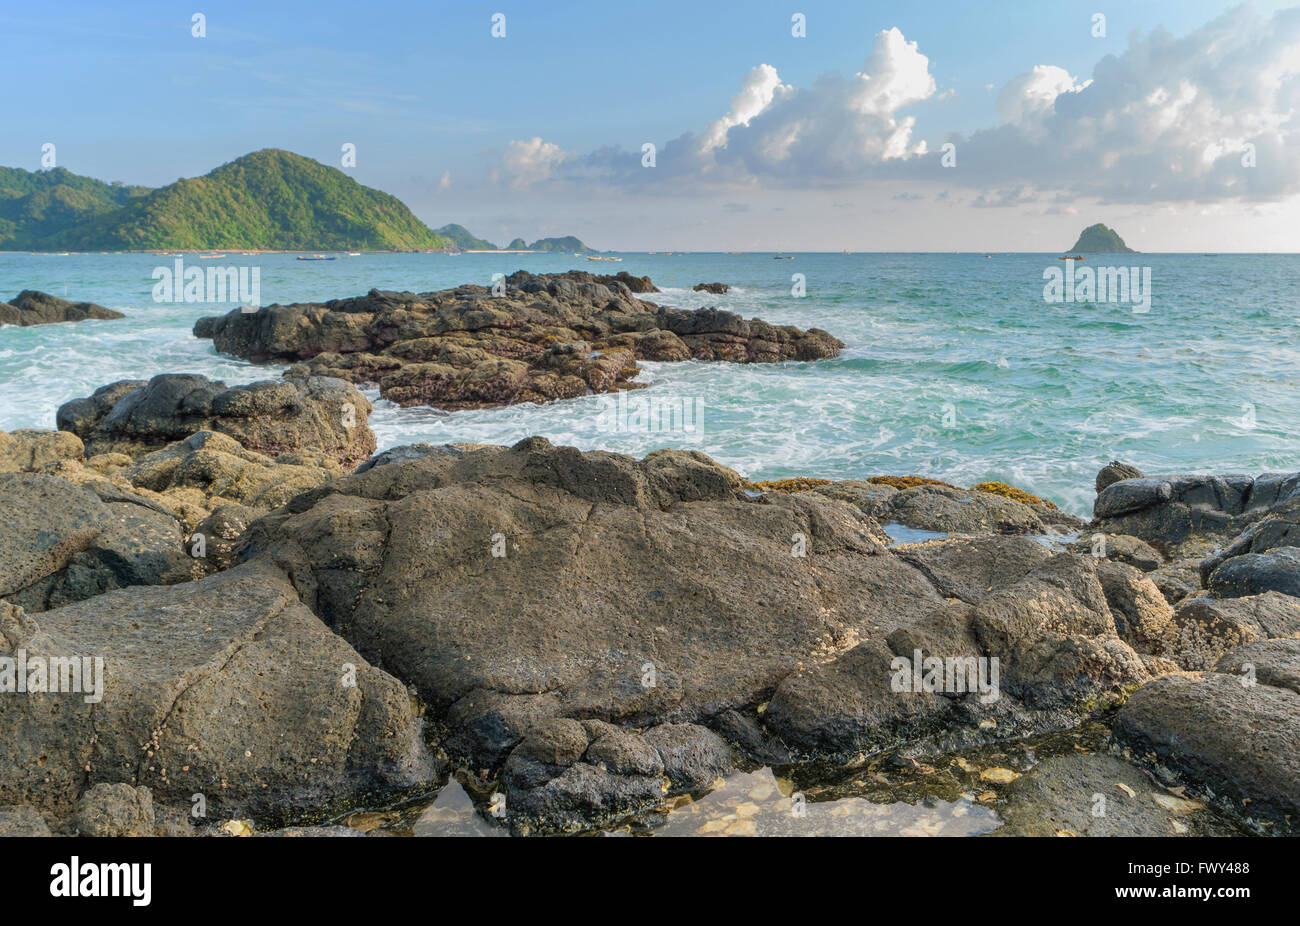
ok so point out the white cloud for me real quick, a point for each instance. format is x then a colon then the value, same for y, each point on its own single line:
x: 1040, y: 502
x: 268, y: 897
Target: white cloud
x: 528, y: 162
x: 1034, y: 94
x: 445, y: 182
x: 756, y: 94
x: 1169, y: 119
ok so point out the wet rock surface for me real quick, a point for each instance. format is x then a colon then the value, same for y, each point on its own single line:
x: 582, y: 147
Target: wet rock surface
x: 31, y: 307
x: 531, y: 338
x: 1233, y: 738
x: 1094, y: 794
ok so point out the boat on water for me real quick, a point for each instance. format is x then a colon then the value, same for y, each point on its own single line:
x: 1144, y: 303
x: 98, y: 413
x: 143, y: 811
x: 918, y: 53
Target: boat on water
x: 1069, y: 257
x: 316, y: 257
x: 615, y: 259
x: 211, y: 256
x: 358, y: 253
x: 783, y: 257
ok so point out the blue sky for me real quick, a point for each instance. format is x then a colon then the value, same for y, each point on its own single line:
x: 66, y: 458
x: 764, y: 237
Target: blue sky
x: 433, y: 103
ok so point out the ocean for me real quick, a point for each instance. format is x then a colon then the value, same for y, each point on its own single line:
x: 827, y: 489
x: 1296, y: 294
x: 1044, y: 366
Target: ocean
x: 955, y: 365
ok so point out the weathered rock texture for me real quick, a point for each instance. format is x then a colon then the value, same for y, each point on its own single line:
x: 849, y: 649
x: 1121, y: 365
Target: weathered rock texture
x: 305, y: 415
x: 65, y: 542
x: 1232, y: 734
x: 531, y: 592
x: 36, y: 308
x: 226, y: 687
x: 544, y: 337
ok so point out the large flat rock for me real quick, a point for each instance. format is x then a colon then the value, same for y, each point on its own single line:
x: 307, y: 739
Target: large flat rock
x: 226, y: 687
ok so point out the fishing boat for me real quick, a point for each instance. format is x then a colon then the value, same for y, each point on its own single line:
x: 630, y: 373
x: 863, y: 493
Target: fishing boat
x: 211, y: 256
x: 358, y: 253
x: 783, y: 257
x: 1068, y: 257
x: 316, y: 257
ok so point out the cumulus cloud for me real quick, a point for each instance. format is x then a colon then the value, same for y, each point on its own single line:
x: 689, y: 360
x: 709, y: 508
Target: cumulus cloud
x: 756, y: 94
x: 528, y: 162
x: 1033, y: 95
x: 838, y: 128
x: 1169, y: 119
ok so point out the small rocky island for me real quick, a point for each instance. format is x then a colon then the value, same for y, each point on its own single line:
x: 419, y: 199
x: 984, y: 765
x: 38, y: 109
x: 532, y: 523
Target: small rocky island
x: 531, y: 338
x: 1098, y: 239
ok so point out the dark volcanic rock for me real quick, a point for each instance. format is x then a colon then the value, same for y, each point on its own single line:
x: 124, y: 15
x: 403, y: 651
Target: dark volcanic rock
x: 226, y: 686
x: 627, y: 588
x: 65, y: 542
x: 1266, y: 662
x: 716, y: 288
x: 35, y: 308
x: 635, y: 284
x: 1115, y: 471
x: 308, y: 414
x: 1236, y: 742
x: 536, y: 595
x: 539, y: 338
x: 1169, y: 510
x: 1094, y: 794
x: 568, y: 775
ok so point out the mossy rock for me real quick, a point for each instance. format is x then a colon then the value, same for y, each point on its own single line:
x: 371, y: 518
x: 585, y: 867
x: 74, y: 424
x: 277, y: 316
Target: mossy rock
x: 908, y: 482
x: 1020, y: 495
x: 800, y: 484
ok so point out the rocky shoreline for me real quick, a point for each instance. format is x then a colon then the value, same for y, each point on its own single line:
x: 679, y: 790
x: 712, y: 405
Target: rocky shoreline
x: 292, y: 626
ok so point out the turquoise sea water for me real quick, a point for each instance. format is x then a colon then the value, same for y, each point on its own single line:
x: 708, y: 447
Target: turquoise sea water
x: 955, y: 366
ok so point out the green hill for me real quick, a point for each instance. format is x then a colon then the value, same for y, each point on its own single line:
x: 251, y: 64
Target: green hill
x: 37, y: 205
x: 1098, y: 239
x: 270, y: 199
x: 519, y: 244
x: 463, y: 238
x: 567, y: 243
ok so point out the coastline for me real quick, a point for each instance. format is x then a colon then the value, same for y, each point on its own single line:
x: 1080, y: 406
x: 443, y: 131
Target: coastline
x: 610, y: 691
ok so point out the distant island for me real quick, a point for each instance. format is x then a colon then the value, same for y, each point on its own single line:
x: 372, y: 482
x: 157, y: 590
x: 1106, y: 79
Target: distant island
x: 270, y: 200
x: 1098, y: 239
x: 464, y: 239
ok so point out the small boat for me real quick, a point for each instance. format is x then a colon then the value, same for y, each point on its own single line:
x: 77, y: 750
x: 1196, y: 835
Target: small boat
x: 316, y: 257
x: 358, y: 253
x: 783, y: 257
x: 211, y: 256
x: 615, y: 259
x: 1068, y: 257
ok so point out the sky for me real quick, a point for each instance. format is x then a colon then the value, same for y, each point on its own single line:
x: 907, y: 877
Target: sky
x: 1177, y: 123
